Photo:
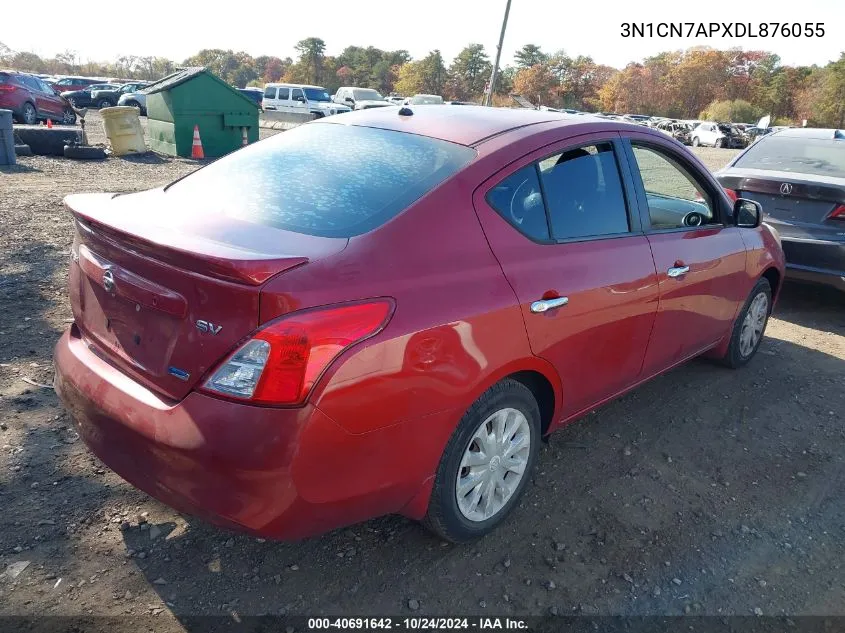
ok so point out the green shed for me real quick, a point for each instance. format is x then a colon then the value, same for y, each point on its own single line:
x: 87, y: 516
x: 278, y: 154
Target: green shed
x: 195, y: 96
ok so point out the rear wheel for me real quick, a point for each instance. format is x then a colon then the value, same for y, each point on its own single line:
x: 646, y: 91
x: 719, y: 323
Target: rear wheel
x: 28, y: 114
x: 104, y: 103
x: 487, y: 463
x: 695, y: 141
x: 750, y: 326
x: 718, y: 143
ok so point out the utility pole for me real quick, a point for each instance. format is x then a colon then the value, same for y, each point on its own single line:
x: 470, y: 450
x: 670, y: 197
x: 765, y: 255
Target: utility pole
x: 488, y: 99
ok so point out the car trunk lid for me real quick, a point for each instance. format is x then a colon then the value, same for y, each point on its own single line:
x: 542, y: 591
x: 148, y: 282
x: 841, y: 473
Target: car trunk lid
x: 800, y: 206
x: 164, y: 292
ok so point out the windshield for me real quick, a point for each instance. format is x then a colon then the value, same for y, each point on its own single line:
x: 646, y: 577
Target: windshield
x: 361, y: 94
x: 323, y: 179
x: 316, y: 94
x: 820, y: 157
x: 424, y: 99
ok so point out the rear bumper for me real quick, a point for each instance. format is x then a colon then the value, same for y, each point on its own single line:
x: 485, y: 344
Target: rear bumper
x: 276, y: 473
x: 817, y: 261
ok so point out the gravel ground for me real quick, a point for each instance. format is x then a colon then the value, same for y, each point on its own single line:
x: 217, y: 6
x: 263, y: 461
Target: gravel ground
x: 706, y: 491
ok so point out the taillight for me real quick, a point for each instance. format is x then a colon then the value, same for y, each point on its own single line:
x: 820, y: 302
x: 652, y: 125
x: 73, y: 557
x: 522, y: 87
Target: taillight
x: 8, y: 87
x: 838, y: 213
x: 731, y: 194
x: 282, y: 361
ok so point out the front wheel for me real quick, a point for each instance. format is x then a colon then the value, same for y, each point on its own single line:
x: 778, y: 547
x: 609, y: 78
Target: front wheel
x: 695, y: 141
x: 68, y: 116
x: 487, y: 463
x: 750, y: 325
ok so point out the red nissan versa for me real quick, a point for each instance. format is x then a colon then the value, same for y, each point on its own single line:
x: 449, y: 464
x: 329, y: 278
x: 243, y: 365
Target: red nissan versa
x: 385, y: 311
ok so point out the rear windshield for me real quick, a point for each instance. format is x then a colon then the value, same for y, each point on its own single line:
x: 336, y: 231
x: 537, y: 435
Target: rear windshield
x: 816, y: 156
x: 324, y: 179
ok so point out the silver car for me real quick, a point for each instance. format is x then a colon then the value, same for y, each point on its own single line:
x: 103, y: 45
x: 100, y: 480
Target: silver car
x: 798, y: 175
x: 134, y: 99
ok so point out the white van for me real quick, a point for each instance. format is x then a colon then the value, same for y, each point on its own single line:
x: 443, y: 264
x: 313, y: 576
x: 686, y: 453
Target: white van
x: 300, y: 98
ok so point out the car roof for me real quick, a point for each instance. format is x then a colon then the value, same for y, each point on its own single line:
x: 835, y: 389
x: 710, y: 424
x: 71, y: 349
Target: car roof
x: 284, y: 85
x: 468, y: 125
x: 810, y: 132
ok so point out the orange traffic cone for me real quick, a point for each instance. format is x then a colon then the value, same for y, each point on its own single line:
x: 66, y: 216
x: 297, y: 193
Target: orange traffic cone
x: 244, y: 139
x: 49, y: 122
x: 196, y: 148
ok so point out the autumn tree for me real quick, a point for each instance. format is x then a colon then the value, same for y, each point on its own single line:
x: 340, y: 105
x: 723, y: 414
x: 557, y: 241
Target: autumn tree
x: 738, y: 110
x: 537, y: 84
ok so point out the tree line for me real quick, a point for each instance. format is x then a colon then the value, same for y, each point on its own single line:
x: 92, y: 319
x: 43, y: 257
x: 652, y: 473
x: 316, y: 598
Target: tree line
x: 698, y: 82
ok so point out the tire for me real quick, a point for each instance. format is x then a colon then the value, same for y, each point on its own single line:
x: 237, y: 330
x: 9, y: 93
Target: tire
x: 68, y: 117
x: 22, y: 150
x: 84, y: 152
x: 739, y: 351
x: 695, y: 141
x: 446, y: 516
x: 29, y: 115
x: 718, y: 143
x: 104, y: 103
x: 46, y: 141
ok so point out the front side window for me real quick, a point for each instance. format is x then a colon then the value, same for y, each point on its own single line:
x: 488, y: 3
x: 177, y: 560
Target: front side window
x: 323, y: 179
x: 317, y: 94
x: 584, y: 193
x: 296, y: 94
x: 675, y: 199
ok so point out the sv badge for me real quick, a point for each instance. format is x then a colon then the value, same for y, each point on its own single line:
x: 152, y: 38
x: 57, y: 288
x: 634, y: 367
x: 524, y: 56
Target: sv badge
x: 208, y: 326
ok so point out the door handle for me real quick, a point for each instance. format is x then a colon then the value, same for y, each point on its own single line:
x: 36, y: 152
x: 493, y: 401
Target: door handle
x: 543, y: 305
x: 678, y: 271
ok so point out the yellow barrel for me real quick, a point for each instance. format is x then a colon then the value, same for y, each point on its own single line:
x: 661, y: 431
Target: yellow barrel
x: 122, y: 126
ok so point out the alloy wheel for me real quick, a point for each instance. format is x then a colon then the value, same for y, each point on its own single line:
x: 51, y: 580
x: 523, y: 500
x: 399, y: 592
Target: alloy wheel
x: 493, y: 464
x: 30, y: 117
x: 753, y: 324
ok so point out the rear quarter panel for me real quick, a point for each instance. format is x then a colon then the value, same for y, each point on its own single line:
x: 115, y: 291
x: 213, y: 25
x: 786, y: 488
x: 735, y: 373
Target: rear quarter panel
x: 456, y: 330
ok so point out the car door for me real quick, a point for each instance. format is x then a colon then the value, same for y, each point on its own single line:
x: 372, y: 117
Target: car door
x: 700, y: 257
x: 43, y: 103
x: 54, y: 103
x: 563, y: 224
x: 297, y: 101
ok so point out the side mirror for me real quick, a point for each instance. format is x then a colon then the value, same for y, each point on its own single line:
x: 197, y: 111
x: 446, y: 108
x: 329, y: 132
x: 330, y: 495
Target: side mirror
x: 748, y: 214
x: 349, y: 100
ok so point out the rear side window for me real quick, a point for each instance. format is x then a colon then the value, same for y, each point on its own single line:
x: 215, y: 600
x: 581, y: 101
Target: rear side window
x: 324, y: 179
x: 584, y: 193
x: 519, y: 200
x: 816, y: 156
x: 284, y: 93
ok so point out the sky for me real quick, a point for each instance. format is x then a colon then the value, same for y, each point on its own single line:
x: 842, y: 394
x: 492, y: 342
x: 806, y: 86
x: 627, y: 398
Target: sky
x: 177, y: 29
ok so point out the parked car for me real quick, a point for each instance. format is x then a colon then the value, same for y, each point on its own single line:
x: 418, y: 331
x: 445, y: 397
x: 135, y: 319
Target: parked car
x: 360, y: 98
x: 31, y: 99
x: 254, y: 94
x: 66, y: 84
x: 424, y: 100
x: 345, y: 371
x: 105, y: 98
x: 300, y: 98
x: 136, y: 99
x: 678, y: 130
x: 798, y: 176
x: 395, y: 99
x: 718, y: 135
x: 82, y: 98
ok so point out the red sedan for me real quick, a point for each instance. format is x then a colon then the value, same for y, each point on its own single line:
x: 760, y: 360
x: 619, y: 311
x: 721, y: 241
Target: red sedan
x: 386, y: 311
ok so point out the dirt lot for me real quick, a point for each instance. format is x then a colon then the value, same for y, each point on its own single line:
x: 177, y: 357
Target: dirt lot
x: 705, y: 492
